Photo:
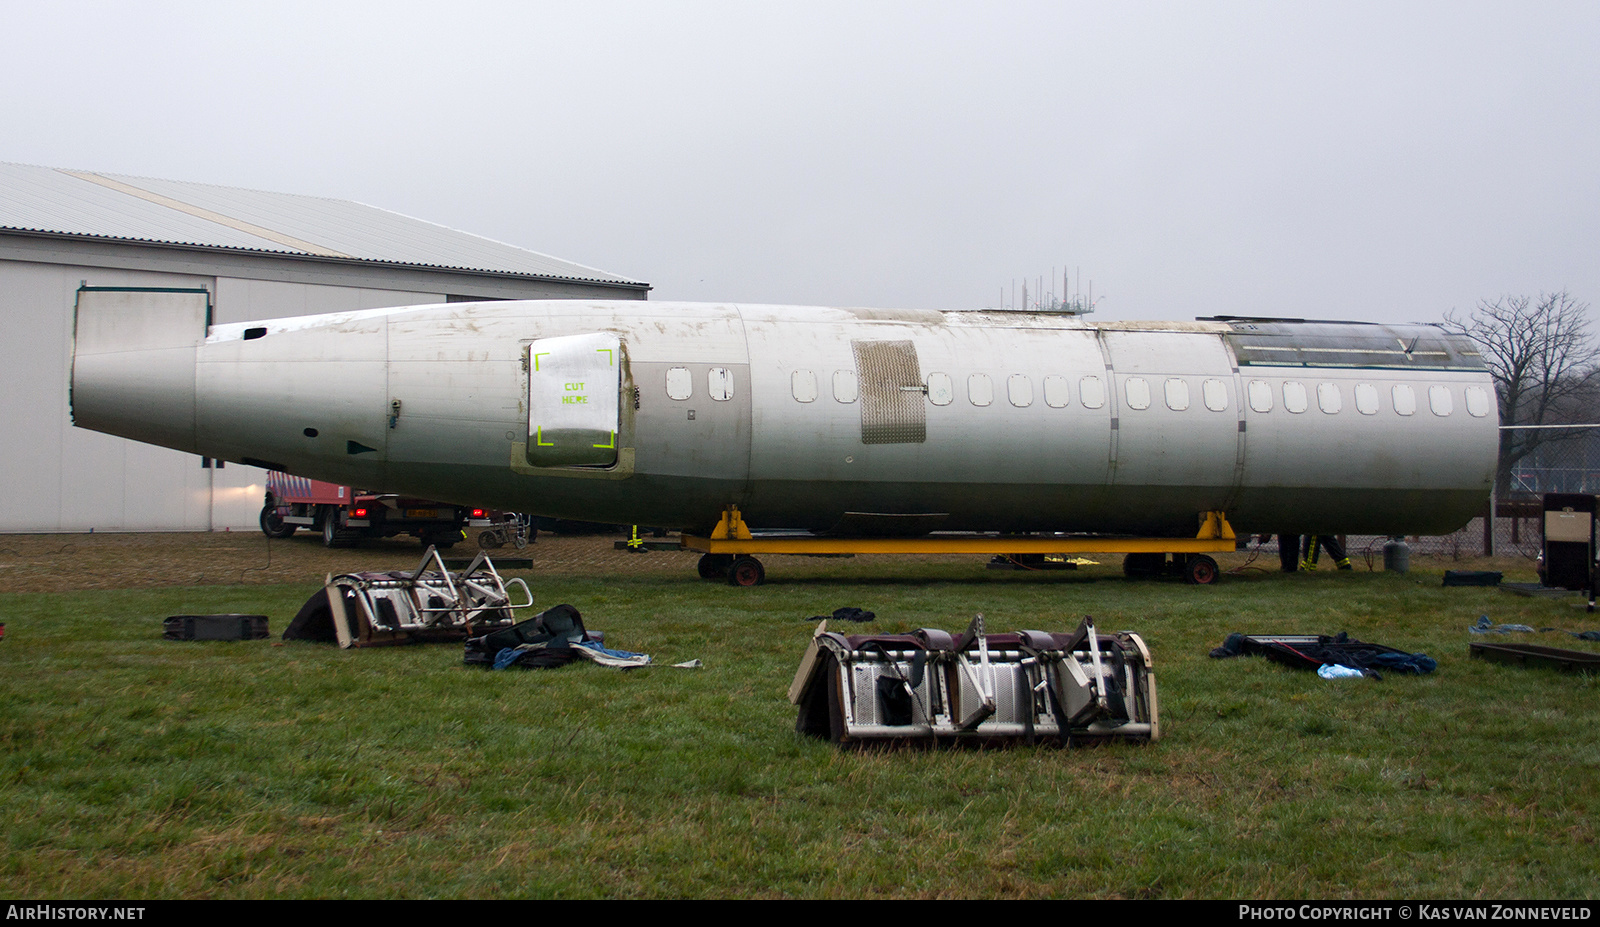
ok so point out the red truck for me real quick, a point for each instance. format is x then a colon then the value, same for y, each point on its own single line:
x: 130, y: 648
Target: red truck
x: 345, y: 515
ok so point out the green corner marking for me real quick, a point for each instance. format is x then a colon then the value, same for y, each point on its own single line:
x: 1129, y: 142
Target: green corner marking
x: 538, y: 438
x: 612, y: 446
x: 537, y: 356
x: 611, y: 360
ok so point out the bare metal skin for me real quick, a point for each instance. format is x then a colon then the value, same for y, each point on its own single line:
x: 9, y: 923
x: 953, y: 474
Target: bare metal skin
x: 853, y: 421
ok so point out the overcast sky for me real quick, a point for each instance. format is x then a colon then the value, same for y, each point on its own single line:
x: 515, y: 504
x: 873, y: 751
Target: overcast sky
x: 1385, y: 161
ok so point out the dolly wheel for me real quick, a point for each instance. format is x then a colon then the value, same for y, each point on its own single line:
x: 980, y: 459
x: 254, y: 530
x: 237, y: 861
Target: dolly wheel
x: 1201, y: 570
x: 746, y: 571
x: 714, y: 566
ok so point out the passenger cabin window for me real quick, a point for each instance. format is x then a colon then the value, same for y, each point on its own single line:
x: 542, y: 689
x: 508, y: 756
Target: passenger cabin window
x: 1477, y: 401
x: 803, y: 383
x: 1137, y: 390
x: 1260, y: 396
x: 680, y: 385
x: 1366, y: 399
x: 844, y: 385
x: 1439, y: 400
x: 1091, y: 392
x: 1329, y: 399
x: 719, y: 383
x: 1019, y: 389
x: 1405, y: 400
x: 1055, y: 392
x: 1294, y: 396
x: 940, y: 390
x: 1215, y: 395
x: 979, y: 389
x: 1177, y: 391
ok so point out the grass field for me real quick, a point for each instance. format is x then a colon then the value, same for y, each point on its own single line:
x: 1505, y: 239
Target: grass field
x: 134, y: 767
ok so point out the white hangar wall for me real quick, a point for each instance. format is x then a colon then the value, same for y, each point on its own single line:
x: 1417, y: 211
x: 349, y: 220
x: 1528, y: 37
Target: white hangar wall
x: 63, y: 479
x: 236, y: 300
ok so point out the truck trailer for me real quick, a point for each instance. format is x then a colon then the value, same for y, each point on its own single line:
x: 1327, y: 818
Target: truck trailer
x: 346, y: 515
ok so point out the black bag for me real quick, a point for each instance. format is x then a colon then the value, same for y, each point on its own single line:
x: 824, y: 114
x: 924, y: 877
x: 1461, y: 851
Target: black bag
x: 552, y: 632
x: 214, y: 628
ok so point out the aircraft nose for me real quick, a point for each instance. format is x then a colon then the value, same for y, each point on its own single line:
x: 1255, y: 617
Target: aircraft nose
x: 133, y: 364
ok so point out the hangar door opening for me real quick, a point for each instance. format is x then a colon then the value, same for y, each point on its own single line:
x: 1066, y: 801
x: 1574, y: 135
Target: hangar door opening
x: 574, y: 388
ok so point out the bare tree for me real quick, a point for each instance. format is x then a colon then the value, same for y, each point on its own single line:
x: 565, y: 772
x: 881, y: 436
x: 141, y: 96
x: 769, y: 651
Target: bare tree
x: 1545, y: 364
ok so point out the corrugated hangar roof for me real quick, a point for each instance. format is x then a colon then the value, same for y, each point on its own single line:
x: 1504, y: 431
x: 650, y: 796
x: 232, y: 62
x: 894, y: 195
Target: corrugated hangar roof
x: 70, y: 202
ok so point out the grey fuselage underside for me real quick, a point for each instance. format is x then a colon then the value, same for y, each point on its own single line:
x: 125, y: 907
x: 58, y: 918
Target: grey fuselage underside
x: 842, y: 420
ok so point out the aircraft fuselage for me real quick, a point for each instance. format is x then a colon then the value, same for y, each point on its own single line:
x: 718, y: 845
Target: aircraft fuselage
x: 852, y: 421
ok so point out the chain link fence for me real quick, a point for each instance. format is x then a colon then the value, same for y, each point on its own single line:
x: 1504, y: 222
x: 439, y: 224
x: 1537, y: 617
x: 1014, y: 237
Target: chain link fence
x: 1517, y: 536
x: 1511, y: 540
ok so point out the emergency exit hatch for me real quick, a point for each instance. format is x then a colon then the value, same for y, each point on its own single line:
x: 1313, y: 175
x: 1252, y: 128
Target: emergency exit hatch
x: 574, y: 386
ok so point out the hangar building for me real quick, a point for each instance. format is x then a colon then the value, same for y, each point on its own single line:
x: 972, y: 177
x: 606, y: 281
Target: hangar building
x: 259, y: 255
